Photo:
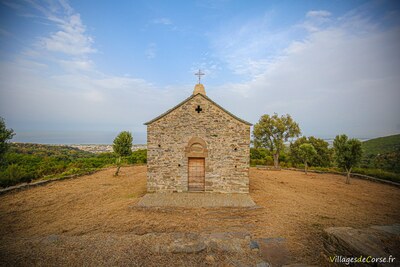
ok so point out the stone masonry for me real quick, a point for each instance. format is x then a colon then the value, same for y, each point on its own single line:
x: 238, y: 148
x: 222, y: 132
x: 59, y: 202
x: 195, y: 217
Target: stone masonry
x: 200, y: 128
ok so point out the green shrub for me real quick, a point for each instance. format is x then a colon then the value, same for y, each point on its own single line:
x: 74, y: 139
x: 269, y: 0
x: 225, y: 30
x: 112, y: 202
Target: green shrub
x: 255, y: 162
x: 138, y: 157
x: 378, y: 173
x: 12, y: 175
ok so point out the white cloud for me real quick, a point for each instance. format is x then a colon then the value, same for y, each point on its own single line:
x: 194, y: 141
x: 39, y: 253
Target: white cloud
x: 77, y: 64
x: 11, y: 4
x: 333, y: 81
x: 248, y: 47
x: 78, y: 101
x: 71, y: 39
x: 69, y: 47
x: 318, y: 14
x: 35, y: 93
x: 316, y: 20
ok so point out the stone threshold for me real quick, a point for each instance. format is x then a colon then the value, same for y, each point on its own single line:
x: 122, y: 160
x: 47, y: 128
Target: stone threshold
x: 196, y: 200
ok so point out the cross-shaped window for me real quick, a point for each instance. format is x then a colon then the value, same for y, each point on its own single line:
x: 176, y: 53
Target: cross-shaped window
x: 198, y: 109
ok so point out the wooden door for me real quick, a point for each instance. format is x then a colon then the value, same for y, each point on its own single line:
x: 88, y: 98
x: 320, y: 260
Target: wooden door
x: 196, y: 174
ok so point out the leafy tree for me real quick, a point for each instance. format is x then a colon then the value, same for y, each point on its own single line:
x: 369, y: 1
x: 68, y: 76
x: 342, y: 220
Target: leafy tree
x: 307, y: 152
x: 272, y: 131
x: 258, y: 153
x: 5, y: 135
x: 348, y: 153
x: 324, y: 154
x: 122, y: 146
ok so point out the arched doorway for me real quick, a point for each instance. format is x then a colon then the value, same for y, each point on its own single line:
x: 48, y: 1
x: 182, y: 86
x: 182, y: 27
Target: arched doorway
x: 196, y: 152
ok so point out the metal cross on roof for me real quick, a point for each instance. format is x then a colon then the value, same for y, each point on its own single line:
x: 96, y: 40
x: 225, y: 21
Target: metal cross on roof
x: 199, y: 73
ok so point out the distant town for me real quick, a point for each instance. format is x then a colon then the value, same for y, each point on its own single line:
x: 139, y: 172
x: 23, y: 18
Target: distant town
x: 95, y: 148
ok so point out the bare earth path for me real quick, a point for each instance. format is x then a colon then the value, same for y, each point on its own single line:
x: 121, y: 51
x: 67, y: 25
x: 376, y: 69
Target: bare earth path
x: 92, y: 219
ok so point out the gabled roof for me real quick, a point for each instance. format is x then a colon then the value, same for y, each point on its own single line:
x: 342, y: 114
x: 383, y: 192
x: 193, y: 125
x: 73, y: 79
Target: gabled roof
x: 189, y: 98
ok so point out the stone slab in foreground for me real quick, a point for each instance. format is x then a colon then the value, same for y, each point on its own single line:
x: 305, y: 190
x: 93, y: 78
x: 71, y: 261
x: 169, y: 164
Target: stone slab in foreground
x: 373, y: 242
x: 196, y: 200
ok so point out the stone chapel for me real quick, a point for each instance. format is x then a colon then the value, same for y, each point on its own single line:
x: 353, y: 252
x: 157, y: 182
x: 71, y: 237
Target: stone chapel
x: 198, y: 146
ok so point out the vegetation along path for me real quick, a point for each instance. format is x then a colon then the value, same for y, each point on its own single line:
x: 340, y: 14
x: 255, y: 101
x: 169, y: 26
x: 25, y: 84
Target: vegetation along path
x: 94, y: 218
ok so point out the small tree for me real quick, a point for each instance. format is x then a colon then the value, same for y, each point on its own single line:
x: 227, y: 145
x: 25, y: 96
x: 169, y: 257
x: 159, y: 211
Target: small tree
x: 272, y: 131
x: 122, y: 146
x: 324, y: 154
x: 348, y: 153
x: 307, y: 152
x: 5, y: 135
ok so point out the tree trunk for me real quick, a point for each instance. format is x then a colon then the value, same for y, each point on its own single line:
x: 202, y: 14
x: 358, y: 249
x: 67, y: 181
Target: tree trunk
x: 348, y: 176
x: 116, y: 173
x: 305, y: 167
x: 276, y: 160
x: 118, y: 166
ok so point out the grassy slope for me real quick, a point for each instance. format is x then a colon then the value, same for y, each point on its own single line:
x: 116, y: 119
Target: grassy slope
x: 381, y: 145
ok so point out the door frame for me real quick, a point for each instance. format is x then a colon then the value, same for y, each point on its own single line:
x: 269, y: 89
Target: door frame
x: 204, y: 174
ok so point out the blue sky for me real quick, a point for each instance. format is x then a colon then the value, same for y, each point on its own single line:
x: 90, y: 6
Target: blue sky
x: 103, y: 66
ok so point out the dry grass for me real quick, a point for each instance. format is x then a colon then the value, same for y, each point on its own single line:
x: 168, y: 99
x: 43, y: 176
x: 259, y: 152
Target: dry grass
x: 91, y: 219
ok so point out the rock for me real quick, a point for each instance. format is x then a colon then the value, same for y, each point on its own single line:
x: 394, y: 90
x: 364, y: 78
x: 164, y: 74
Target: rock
x: 375, y: 241
x: 391, y: 229
x: 227, y: 241
x: 185, y: 247
x: 254, y: 245
x: 226, y: 245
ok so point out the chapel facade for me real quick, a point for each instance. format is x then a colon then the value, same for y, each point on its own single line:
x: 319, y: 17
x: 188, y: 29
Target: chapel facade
x: 198, y: 146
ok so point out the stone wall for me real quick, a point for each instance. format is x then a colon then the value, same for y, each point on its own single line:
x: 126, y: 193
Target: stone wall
x: 227, y: 142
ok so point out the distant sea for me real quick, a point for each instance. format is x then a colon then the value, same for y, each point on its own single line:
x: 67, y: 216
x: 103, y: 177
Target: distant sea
x: 70, y: 138
x: 88, y: 137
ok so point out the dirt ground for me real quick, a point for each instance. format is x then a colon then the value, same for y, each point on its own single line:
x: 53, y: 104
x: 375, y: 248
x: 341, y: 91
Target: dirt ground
x: 94, y: 217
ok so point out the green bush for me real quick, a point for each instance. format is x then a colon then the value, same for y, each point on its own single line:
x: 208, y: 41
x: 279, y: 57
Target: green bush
x: 378, y: 173
x: 258, y: 153
x: 138, y: 157
x: 13, y: 174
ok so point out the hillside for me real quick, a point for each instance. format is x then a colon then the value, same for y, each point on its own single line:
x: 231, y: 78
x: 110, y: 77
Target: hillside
x: 60, y: 151
x: 382, y: 145
x: 28, y: 162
